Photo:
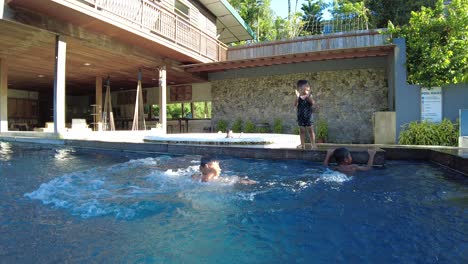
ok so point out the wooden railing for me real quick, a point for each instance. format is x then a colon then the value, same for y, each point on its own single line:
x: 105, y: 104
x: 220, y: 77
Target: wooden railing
x: 157, y: 19
x: 357, y: 39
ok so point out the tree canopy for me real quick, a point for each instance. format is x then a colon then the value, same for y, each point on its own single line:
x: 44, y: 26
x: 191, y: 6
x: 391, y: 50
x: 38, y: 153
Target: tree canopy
x: 437, y: 41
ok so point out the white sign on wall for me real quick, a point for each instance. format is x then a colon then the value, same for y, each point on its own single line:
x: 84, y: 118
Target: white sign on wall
x: 431, y: 104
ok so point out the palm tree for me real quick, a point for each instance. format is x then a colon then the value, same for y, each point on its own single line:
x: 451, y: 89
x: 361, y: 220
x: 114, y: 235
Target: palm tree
x: 312, y: 18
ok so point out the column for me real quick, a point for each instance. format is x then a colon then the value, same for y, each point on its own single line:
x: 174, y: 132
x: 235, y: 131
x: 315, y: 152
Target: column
x: 162, y: 98
x: 59, y: 84
x: 2, y: 8
x: 3, y: 95
x: 98, y: 117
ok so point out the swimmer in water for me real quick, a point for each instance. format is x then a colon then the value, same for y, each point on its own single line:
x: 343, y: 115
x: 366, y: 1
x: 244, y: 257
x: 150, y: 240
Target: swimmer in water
x: 344, y: 159
x: 211, y: 171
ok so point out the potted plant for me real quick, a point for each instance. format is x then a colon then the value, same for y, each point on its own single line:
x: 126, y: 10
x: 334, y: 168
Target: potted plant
x: 322, y: 131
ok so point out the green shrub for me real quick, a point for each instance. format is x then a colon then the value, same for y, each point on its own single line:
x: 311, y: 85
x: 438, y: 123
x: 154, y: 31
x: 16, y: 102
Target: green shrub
x: 296, y: 131
x: 322, y: 130
x: 237, y: 126
x: 263, y: 129
x: 222, y: 126
x: 428, y: 133
x: 278, y: 126
x: 249, y: 127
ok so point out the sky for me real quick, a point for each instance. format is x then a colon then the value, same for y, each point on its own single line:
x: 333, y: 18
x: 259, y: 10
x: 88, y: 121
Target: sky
x: 280, y: 7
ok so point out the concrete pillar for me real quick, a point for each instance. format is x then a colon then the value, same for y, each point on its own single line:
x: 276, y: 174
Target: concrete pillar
x: 463, y: 136
x: 407, y: 97
x: 3, y: 95
x: 162, y: 98
x: 2, y: 8
x: 98, y: 102
x: 59, y: 84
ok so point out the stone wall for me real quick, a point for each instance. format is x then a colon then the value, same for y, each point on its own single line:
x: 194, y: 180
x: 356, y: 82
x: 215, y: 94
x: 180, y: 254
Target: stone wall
x: 347, y: 99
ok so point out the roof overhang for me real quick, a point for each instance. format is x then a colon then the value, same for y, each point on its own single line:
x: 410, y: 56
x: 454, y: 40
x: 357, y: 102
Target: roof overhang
x: 230, y: 25
x: 336, y: 54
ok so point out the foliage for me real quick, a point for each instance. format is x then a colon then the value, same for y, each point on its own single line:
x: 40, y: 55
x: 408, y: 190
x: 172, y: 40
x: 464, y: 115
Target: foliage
x: 258, y: 15
x: 350, y: 9
x: 428, y: 133
x: 290, y: 28
x: 296, y: 131
x: 397, y: 11
x: 222, y: 125
x: 263, y: 21
x: 278, y: 126
x: 237, y: 126
x: 312, y: 17
x: 322, y: 130
x: 249, y: 127
x: 437, y: 44
x: 175, y: 110
x: 263, y: 128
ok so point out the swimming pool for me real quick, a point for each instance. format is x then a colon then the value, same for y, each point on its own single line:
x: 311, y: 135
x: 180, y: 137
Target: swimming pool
x: 76, y: 205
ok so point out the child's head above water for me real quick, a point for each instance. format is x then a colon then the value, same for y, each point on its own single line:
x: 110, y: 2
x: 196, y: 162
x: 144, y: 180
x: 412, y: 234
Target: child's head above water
x: 342, y: 156
x: 209, y: 167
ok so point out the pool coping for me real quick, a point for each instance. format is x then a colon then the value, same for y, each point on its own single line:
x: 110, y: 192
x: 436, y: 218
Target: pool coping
x: 445, y: 156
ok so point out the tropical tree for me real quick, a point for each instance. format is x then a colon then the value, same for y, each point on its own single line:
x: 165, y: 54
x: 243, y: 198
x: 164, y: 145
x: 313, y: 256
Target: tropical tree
x: 352, y: 12
x: 312, y: 17
x: 397, y: 11
x: 258, y: 15
x: 437, y: 41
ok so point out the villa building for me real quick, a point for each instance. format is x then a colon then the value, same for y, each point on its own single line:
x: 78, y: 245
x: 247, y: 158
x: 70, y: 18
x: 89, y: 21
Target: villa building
x: 56, y: 56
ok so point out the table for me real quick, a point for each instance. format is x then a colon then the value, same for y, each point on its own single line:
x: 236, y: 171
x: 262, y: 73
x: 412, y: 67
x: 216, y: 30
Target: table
x: 186, y: 124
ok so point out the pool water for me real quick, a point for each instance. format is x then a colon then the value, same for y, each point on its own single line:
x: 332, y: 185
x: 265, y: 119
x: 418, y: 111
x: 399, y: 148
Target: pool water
x: 79, y: 206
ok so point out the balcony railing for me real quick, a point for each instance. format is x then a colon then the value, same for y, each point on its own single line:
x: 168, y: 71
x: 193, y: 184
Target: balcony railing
x: 157, y: 19
x: 345, y: 40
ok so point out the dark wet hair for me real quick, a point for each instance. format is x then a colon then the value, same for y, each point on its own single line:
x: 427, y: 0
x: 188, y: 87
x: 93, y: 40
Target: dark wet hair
x: 302, y: 83
x: 340, y: 154
x: 207, y: 159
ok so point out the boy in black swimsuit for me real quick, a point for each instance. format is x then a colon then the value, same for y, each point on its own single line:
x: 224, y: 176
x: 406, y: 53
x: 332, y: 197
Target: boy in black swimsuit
x: 304, y: 103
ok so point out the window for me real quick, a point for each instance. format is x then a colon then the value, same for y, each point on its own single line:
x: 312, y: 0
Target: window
x: 182, y: 10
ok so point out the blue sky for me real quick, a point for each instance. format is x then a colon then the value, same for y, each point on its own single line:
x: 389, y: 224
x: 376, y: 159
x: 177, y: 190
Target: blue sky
x: 280, y: 7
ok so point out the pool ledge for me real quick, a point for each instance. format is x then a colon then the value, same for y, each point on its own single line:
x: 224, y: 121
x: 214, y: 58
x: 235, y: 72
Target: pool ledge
x: 452, y: 157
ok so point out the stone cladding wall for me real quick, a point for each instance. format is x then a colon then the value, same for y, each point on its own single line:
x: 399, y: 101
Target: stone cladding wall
x: 347, y: 100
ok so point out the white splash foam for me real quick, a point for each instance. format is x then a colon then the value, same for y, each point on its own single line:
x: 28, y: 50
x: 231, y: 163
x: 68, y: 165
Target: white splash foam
x: 332, y: 176
x: 136, y: 187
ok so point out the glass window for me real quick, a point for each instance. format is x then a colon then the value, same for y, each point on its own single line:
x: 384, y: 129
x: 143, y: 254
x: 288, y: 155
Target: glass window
x: 182, y: 9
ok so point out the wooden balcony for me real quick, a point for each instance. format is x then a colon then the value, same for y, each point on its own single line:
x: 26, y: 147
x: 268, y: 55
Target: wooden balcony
x: 155, y: 21
x: 316, y: 43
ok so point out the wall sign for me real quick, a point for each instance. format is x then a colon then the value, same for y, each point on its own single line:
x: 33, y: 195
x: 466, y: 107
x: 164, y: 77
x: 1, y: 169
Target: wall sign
x: 431, y: 104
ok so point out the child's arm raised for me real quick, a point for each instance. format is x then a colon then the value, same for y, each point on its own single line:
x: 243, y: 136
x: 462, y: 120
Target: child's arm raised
x: 370, y: 162
x: 297, y: 97
x: 327, y: 158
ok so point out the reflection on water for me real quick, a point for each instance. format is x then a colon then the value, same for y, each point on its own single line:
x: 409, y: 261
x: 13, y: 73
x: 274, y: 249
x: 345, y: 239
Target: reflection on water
x: 5, y: 151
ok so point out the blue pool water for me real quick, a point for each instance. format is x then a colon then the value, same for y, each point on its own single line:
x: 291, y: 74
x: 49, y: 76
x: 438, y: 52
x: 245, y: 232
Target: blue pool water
x: 69, y: 205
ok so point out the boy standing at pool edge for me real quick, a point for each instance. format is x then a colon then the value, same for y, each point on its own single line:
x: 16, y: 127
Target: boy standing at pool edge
x: 304, y: 103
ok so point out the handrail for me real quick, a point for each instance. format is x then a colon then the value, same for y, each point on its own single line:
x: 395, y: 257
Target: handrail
x: 311, y: 37
x: 362, y: 38
x: 159, y: 20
